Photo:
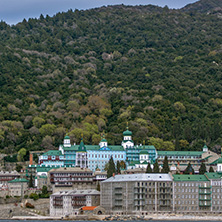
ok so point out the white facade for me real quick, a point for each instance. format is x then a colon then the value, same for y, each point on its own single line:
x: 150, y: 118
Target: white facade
x: 68, y: 203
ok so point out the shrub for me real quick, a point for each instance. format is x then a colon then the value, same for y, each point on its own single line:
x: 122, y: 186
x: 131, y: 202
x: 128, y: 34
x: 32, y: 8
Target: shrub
x: 34, y: 196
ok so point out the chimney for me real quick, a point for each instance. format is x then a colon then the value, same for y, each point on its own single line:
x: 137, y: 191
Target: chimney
x: 113, y: 174
x: 31, y: 159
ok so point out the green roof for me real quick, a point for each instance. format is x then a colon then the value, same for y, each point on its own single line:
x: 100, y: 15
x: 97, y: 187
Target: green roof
x: 103, y: 140
x: 53, y: 153
x: 219, y: 160
x: 127, y: 133
x: 128, y: 141
x: 180, y: 153
x: 145, y: 162
x: 184, y: 177
x: 19, y: 180
x: 213, y: 175
x: 144, y: 152
x: 67, y: 138
x: 205, y: 146
x: 97, y: 147
x: 72, y: 148
x: 206, y: 157
x: 45, y: 169
x: 81, y: 147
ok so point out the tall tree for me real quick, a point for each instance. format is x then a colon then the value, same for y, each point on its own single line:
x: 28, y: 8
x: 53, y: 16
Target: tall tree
x: 31, y: 181
x: 111, y: 168
x: 156, y: 167
x: 189, y: 169
x: 211, y: 170
x: 202, y: 169
x: 148, y: 168
x: 166, y: 168
x: 118, y: 171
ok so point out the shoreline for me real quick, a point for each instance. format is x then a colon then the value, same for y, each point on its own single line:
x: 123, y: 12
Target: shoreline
x: 151, y: 217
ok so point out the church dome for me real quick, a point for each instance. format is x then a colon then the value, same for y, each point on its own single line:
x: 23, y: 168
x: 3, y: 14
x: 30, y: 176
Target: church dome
x: 127, y: 133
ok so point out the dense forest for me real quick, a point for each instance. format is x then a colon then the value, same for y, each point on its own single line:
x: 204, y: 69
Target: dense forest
x: 93, y: 71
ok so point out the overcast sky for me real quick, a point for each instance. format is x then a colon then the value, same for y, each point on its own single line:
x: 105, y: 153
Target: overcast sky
x: 14, y: 11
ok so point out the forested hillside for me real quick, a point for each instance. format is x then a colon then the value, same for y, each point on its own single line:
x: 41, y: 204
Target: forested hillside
x: 93, y: 71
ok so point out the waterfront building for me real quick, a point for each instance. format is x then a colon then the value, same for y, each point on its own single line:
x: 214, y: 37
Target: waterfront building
x: 130, y: 194
x: 191, y: 193
x: 68, y: 203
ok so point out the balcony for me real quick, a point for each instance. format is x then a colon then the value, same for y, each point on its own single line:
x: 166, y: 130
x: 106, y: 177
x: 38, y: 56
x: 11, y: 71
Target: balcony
x: 204, y: 193
x: 205, y: 205
x: 203, y: 199
x: 209, y: 187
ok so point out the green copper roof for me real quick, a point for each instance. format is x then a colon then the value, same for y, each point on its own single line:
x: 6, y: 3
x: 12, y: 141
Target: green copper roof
x: 127, y: 133
x: 53, y: 153
x: 103, y: 140
x: 213, y: 176
x: 143, y: 152
x: 45, y: 169
x: 205, y: 147
x: 82, y: 147
x: 219, y: 160
x: 97, y: 147
x: 180, y: 153
x: 184, y: 177
x: 144, y: 162
x: 19, y: 180
x: 67, y: 138
x: 72, y: 148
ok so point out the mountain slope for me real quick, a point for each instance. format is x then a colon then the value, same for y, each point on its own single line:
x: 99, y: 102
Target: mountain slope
x: 92, y: 71
x: 204, y: 6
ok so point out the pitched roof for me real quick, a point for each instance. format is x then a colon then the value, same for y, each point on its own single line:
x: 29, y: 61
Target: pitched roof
x: 97, y: 147
x: 185, y: 177
x: 180, y: 153
x: 213, y: 176
x: 45, y: 169
x: 70, y: 169
x: 53, y: 153
x: 19, y: 180
x: 139, y: 177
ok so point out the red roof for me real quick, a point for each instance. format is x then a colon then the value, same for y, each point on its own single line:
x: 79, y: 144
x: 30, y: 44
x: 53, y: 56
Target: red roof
x: 88, y: 208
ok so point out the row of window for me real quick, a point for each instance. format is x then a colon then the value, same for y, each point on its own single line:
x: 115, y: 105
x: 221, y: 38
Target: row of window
x: 105, y: 156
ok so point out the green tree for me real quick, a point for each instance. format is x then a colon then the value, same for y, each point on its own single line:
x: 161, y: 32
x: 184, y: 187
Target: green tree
x: 211, y: 170
x: 156, y: 167
x: 122, y: 164
x: 148, y: 168
x: 44, y: 190
x: 18, y: 168
x: 31, y: 181
x: 111, y: 168
x: 98, y: 186
x: 189, y: 169
x: 21, y: 154
x: 166, y: 168
x: 202, y: 168
x: 118, y: 171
